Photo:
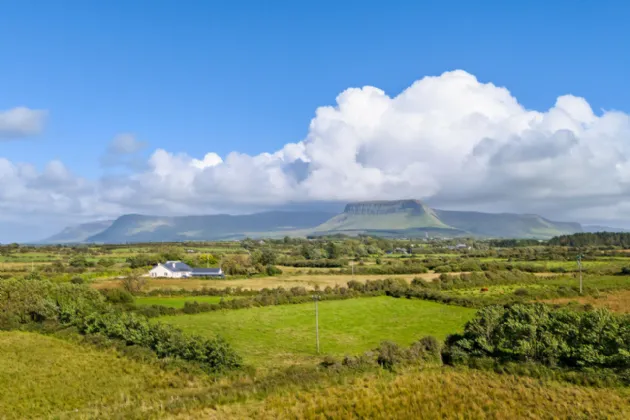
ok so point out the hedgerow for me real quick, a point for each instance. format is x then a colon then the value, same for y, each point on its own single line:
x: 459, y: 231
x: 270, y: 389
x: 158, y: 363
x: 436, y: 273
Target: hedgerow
x: 32, y: 302
x: 538, y: 333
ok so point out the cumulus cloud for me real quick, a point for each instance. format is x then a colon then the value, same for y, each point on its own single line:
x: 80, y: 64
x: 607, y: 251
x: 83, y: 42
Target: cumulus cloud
x: 450, y: 139
x: 21, y: 122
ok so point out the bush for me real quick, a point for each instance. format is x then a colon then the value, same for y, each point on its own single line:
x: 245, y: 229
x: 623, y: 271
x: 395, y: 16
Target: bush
x: 118, y: 296
x: 166, y: 341
x: 77, y: 280
x: 26, y: 301
x: 272, y: 270
x: 390, y: 354
x: 521, y: 292
x: 429, y: 345
x: 536, y: 333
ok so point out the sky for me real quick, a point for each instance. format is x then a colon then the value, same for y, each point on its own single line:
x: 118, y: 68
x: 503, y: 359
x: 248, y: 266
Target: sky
x: 198, y: 107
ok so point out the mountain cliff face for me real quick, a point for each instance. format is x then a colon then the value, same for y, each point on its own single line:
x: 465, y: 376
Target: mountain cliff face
x: 383, y: 216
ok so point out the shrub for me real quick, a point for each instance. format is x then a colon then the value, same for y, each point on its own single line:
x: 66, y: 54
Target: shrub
x: 118, y: 296
x: 272, y: 270
x: 521, y: 292
x: 77, y: 280
x: 166, y: 341
x: 390, y: 354
x: 26, y: 301
x: 133, y: 284
x: 430, y: 346
x: 536, y: 333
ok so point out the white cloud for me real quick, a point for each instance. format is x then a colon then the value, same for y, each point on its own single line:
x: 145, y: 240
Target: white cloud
x: 21, y: 122
x: 450, y: 139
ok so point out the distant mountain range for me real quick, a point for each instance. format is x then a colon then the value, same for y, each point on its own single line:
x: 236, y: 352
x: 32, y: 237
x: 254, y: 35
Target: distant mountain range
x: 400, y: 218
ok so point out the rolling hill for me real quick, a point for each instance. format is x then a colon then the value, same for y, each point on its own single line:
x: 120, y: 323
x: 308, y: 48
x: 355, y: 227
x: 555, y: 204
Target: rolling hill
x: 399, y: 218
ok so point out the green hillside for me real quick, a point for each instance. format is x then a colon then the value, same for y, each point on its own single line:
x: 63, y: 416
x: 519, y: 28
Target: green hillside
x: 506, y: 225
x: 411, y: 218
x: 79, y: 233
x: 384, y: 216
x: 139, y: 228
x: 399, y: 218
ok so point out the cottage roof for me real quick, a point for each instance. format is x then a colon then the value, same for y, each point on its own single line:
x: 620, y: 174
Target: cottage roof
x: 177, y: 266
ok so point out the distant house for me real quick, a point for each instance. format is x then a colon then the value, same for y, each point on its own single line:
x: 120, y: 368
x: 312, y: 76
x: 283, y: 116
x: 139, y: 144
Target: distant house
x: 178, y: 269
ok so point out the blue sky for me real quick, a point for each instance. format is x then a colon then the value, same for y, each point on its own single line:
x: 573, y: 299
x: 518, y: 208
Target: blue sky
x: 221, y: 76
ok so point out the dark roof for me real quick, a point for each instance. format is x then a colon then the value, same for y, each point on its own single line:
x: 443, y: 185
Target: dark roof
x: 206, y: 271
x: 177, y: 266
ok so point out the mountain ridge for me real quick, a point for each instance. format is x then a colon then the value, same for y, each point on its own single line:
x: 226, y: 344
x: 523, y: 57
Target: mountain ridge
x: 396, y: 218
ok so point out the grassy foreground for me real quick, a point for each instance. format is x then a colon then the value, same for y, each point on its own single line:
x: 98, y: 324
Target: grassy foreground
x: 442, y: 394
x: 286, y: 334
x: 43, y: 376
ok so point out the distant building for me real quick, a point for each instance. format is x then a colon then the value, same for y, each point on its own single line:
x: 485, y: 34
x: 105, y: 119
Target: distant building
x: 178, y: 269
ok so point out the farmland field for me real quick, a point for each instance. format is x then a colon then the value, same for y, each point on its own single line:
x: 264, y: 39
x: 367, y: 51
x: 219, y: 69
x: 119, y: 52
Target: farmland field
x: 114, y: 370
x: 286, y: 334
x: 616, y: 301
x: 258, y: 283
x: 176, y: 302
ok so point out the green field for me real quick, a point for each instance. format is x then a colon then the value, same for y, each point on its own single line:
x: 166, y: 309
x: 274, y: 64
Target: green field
x: 176, y: 302
x: 286, y: 334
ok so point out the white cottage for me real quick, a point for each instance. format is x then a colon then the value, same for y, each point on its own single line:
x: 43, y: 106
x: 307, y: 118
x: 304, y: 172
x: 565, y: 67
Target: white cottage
x: 178, y: 269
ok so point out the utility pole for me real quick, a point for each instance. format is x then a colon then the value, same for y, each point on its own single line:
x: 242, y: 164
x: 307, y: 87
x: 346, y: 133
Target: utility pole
x: 579, y: 262
x: 316, y: 299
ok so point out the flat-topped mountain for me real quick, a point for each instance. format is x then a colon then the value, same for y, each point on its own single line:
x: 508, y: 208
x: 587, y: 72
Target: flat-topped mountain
x: 397, y: 218
x: 384, y: 216
x: 413, y: 218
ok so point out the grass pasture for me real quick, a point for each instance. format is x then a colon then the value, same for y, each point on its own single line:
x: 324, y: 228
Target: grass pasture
x: 616, y: 301
x: 286, y: 334
x: 176, y: 301
x: 42, y: 377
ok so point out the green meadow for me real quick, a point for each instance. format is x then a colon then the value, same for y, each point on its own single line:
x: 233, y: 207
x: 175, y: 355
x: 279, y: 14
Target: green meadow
x: 176, y: 302
x: 286, y: 333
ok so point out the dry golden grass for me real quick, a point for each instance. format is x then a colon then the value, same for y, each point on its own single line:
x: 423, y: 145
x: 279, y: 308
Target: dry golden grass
x: 616, y: 301
x: 258, y: 283
x: 438, y: 394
